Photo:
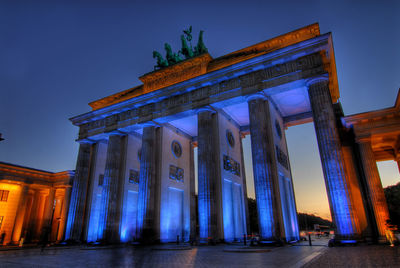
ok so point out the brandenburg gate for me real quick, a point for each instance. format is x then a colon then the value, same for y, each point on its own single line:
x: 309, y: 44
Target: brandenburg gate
x: 135, y: 175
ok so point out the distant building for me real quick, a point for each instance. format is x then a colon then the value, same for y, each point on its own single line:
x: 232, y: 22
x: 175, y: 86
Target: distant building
x: 32, y: 200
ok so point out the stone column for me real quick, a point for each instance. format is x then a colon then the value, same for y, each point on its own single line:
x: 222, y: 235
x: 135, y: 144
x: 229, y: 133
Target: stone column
x: 61, y: 231
x: 332, y: 158
x: 264, y: 168
x: 149, y: 185
x: 28, y: 213
x: 375, y: 195
x: 110, y: 199
x: 49, y: 207
x: 353, y: 180
x: 20, y: 216
x: 208, y: 176
x: 79, y: 191
x: 33, y: 221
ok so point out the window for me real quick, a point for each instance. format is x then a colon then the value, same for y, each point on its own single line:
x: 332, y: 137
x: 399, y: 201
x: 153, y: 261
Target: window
x: 4, y: 195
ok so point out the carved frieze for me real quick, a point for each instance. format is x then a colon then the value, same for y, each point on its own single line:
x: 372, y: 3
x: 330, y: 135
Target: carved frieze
x: 199, y: 96
x: 176, y: 149
x: 176, y: 173
x: 177, y: 73
x: 281, y: 157
x: 231, y: 165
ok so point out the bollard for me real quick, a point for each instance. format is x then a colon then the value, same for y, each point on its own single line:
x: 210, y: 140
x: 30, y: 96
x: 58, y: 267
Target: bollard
x: 177, y: 239
x: 244, y: 239
x: 309, y: 239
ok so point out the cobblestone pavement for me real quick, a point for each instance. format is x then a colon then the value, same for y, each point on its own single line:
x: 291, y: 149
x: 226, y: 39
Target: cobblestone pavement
x: 210, y: 256
x: 359, y: 256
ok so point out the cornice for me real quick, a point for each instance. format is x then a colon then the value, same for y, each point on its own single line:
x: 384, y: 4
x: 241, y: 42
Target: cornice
x: 362, y: 118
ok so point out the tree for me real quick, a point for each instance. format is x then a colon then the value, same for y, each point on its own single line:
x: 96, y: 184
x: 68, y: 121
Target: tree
x: 306, y: 221
x: 392, y: 194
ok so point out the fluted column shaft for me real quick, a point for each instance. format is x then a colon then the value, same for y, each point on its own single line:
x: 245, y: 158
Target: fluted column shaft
x: 49, y: 207
x: 332, y: 159
x: 264, y: 168
x: 207, y: 176
x: 78, y: 194
x: 375, y: 193
x: 109, y: 221
x: 148, y: 187
x: 67, y: 198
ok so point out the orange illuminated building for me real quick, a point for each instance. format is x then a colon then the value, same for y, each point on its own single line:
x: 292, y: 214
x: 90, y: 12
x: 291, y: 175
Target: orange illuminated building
x: 32, y: 202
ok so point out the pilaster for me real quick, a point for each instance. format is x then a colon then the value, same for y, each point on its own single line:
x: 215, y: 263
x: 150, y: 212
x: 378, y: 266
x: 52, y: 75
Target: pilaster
x: 246, y: 205
x: 192, y: 196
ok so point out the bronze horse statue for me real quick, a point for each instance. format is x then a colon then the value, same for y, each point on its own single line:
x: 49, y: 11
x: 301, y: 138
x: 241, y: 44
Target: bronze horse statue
x: 189, y: 52
x: 186, y: 51
x: 201, y: 47
x: 172, y: 58
x: 161, y: 63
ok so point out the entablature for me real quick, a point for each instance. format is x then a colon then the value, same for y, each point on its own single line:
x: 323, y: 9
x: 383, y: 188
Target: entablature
x: 230, y: 84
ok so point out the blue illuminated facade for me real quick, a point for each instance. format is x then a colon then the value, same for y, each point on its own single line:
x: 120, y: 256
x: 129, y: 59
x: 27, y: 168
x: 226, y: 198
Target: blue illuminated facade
x: 148, y: 192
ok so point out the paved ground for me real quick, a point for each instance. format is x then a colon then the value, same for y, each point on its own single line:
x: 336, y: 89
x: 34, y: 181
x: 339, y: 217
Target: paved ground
x: 210, y: 256
x: 360, y: 256
x: 302, y: 255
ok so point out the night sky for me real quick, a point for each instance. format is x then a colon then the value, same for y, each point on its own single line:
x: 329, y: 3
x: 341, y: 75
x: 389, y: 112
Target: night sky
x: 57, y: 56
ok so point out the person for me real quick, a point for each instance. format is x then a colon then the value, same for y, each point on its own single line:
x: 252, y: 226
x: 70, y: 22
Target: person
x: 45, y: 238
x: 3, y: 236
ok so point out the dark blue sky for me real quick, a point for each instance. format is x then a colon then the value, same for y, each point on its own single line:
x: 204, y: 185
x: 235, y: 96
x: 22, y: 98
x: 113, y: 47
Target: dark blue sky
x: 56, y: 56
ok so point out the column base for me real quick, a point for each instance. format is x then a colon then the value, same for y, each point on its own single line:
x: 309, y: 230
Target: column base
x: 342, y: 242
x: 273, y: 243
x: 71, y: 242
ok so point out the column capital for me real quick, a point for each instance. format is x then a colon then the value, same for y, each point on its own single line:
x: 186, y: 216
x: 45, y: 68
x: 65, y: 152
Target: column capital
x: 363, y: 139
x: 116, y: 132
x: 151, y: 124
x: 86, y: 141
x: 205, y: 109
x: 316, y: 80
x: 258, y: 95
